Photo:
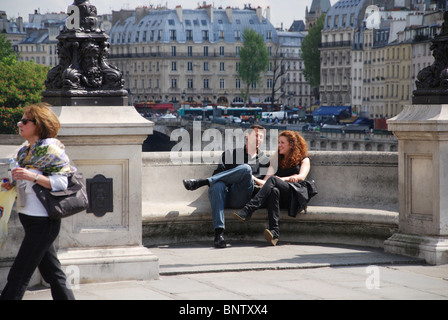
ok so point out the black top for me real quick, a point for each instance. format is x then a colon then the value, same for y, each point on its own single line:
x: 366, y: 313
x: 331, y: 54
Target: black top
x: 232, y: 158
x: 287, y: 172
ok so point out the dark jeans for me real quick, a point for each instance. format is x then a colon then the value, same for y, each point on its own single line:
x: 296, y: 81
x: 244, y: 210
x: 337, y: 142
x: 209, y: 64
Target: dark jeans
x: 274, y: 195
x: 229, y: 189
x: 37, y: 251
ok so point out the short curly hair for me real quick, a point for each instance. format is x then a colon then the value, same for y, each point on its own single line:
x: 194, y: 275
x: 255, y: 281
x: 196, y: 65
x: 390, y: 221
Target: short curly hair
x: 298, y: 153
x: 47, y: 122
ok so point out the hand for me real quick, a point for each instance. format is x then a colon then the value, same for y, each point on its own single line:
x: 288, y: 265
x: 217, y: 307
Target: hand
x: 23, y: 174
x: 294, y: 179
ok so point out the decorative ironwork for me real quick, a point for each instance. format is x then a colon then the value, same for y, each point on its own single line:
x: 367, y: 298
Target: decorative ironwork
x: 432, y: 81
x: 83, y: 75
x: 100, y: 191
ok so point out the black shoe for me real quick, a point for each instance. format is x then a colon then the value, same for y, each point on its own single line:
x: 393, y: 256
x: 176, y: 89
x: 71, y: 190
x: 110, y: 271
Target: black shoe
x: 219, y: 239
x: 271, y: 236
x: 193, y: 184
x: 243, y: 215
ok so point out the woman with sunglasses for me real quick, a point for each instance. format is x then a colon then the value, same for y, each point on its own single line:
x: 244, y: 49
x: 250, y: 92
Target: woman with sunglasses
x: 283, y: 185
x: 42, y: 160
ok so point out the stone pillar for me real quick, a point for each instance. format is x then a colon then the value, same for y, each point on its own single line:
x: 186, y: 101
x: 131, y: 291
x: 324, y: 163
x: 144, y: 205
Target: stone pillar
x: 422, y: 132
x: 103, y: 137
x: 105, y: 242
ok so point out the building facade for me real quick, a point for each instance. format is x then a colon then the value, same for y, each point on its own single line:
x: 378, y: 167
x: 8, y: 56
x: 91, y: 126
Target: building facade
x: 372, y: 51
x: 295, y: 92
x: 188, y: 56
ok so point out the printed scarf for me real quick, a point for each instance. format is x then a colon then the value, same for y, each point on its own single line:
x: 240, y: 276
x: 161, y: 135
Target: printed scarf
x: 47, y: 156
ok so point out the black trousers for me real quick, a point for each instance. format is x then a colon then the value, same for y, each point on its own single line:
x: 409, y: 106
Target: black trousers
x: 37, y: 251
x: 274, y: 194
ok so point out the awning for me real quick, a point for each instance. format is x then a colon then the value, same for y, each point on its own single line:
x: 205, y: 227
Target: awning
x: 166, y: 106
x: 331, y: 111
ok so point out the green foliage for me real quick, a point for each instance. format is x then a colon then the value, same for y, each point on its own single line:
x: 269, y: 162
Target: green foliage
x: 9, y: 118
x: 21, y: 83
x: 311, y: 53
x: 5, y: 47
x: 254, y: 58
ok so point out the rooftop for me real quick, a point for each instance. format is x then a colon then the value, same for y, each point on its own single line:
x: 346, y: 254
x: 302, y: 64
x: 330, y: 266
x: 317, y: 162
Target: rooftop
x: 220, y: 24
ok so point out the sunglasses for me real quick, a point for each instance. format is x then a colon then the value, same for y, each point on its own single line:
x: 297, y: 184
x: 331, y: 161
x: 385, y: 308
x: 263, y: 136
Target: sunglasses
x: 25, y: 121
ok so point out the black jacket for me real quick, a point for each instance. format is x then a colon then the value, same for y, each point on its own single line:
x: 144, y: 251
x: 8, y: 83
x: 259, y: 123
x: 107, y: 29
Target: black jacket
x: 232, y: 158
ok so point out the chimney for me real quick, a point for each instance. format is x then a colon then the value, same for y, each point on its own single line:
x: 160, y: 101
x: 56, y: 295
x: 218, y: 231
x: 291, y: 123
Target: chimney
x: 179, y: 13
x: 209, y: 10
x: 260, y: 14
x: 229, y: 14
x: 19, y: 22
x: 268, y: 14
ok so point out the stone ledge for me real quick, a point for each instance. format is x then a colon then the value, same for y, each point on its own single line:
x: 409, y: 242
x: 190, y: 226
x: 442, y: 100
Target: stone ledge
x: 177, y: 222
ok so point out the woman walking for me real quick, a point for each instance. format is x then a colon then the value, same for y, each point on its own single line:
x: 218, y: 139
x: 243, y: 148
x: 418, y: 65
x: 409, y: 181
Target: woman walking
x: 43, y: 161
x: 284, y: 185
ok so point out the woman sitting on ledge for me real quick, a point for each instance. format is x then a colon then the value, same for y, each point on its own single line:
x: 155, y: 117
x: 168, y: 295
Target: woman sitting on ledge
x: 284, y: 185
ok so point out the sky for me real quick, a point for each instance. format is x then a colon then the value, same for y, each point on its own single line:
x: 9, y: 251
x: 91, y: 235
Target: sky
x: 282, y: 11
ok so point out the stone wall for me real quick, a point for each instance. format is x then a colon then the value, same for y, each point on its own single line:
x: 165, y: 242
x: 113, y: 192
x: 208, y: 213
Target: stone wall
x: 357, y: 201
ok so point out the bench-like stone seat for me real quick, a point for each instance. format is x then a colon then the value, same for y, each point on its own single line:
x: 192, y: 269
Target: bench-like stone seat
x: 357, y: 202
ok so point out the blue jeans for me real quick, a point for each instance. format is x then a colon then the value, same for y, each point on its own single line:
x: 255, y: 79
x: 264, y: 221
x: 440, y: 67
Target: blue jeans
x: 229, y: 189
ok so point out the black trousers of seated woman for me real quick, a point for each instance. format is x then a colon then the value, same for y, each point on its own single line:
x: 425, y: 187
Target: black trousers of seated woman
x: 274, y: 194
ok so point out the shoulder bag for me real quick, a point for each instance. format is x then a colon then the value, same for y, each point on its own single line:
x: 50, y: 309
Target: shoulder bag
x: 62, y: 204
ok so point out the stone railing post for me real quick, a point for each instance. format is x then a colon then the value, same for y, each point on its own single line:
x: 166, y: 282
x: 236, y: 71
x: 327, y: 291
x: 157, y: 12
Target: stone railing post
x: 422, y: 132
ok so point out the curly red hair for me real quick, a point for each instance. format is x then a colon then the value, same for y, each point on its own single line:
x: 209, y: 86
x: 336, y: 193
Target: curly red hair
x: 298, y: 152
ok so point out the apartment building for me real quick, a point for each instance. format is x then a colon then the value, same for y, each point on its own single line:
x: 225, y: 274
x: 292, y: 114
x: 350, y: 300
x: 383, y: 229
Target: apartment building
x: 372, y: 51
x: 188, y: 56
x: 296, y: 92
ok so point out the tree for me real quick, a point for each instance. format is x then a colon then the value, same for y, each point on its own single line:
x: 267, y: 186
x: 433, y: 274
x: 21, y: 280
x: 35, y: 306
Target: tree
x: 278, y: 70
x: 311, y: 53
x: 5, y: 47
x: 21, y: 83
x: 254, y: 59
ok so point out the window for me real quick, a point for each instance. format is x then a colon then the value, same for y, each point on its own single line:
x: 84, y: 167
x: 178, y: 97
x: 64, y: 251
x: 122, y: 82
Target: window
x: 173, y: 36
x: 189, y: 35
x: 174, y: 66
x: 222, y: 66
x: 190, y: 83
x: 173, y: 83
x: 173, y: 51
x: 206, y: 84
x: 205, y: 36
x: 190, y: 51
x: 222, y: 83
x: 206, y: 66
x: 190, y: 66
x: 238, y: 84
x: 237, y: 35
x: 221, y: 51
x: 205, y: 51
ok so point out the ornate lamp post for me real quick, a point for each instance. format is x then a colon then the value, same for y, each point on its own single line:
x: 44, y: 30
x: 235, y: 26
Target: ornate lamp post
x: 83, y: 76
